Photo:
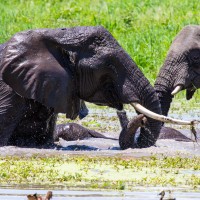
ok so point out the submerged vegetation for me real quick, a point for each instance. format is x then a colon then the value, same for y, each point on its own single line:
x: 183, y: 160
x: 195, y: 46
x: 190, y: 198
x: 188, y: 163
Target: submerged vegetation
x: 101, y: 172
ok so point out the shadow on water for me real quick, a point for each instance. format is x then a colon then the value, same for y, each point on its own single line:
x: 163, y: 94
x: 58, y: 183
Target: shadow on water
x: 139, y: 194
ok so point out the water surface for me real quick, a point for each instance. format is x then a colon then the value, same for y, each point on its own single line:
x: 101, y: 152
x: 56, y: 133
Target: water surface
x: 11, y: 194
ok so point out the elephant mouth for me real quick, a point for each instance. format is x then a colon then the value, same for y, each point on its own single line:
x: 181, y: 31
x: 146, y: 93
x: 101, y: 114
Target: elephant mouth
x: 107, y: 98
x: 118, y: 106
x: 190, y: 90
x: 111, y: 96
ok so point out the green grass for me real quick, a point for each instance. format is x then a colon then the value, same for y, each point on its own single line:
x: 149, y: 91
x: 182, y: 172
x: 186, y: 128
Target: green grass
x: 144, y: 29
x: 101, y: 173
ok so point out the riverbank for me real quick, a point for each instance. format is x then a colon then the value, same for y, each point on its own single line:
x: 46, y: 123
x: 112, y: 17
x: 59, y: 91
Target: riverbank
x: 101, y: 171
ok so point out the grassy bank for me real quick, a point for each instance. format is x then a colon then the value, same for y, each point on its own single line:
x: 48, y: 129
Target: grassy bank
x: 101, y: 173
x: 144, y: 28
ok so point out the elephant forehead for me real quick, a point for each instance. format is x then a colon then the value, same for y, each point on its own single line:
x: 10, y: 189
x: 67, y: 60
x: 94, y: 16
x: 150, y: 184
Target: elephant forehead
x: 188, y: 38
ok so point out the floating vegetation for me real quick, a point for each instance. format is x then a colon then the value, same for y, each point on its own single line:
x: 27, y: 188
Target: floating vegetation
x: 102, y: 172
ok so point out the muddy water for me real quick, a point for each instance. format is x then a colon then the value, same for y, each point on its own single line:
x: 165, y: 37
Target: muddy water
x: 15, y: 194
x: 108, y: 147
x: 100, y: 147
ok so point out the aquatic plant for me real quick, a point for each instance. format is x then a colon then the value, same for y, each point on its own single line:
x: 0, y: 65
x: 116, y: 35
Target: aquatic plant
x: 101, y: 172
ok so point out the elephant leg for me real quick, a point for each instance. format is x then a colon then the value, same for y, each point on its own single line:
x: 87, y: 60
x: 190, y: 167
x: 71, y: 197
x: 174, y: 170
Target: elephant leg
x: 72, y: 131
x: 33, y: 134
x: 12, y: 107
x: 129, y: 128
x: 36, y: 126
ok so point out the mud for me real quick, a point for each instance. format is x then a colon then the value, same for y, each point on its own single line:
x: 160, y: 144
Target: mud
x: 108, y: 147
x: 107, y: 123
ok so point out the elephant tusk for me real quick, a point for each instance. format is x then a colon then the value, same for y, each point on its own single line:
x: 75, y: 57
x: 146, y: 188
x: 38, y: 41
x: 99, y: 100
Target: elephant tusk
x: 162, y: 118
x: 177, y: 89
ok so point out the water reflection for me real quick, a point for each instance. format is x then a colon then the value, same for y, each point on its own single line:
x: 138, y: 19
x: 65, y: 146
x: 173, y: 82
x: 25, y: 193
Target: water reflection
x: 11, y: 194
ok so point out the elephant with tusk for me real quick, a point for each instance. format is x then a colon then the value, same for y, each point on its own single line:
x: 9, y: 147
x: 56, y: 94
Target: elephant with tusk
x: 181, y: 69
x: 44, y: 72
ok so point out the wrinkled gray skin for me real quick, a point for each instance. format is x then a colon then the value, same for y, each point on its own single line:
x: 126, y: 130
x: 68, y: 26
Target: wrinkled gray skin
x: 50, y: 71
x: 181, y: 67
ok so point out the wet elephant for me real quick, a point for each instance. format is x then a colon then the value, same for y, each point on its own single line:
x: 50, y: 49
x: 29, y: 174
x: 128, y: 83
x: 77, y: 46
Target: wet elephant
x: 73, y: 131
x: 181, y: 69
x: 171, y: 133
x: 49, y: 71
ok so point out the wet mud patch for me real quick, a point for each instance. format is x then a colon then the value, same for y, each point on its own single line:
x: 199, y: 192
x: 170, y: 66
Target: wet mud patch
x: 108, y: 147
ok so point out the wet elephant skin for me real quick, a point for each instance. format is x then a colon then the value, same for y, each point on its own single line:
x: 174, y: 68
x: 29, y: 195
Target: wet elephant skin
x: 73, y: 131
x: 44, y: 72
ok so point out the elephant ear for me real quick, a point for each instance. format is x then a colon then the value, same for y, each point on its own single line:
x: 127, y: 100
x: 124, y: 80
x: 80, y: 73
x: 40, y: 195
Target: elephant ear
x: 37, y: 69
x: 40, y: 64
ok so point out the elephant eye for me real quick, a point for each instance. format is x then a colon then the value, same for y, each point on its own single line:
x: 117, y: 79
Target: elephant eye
x: 112, y: 67
x: 195, y: 56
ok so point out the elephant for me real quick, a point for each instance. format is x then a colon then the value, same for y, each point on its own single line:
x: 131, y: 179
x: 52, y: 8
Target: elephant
x: 73, y: 131
x: 171, y: 133
x: 181, y: 58
x: 181, y: 68
x: 44, y: 72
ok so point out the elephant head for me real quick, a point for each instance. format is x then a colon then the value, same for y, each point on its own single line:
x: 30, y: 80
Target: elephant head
x: 62, y: 67
x: 181, y: 69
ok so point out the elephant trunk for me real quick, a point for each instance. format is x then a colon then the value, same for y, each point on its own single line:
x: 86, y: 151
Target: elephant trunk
x: 170, y: 80
x: 163, y: 91
x: 150, y: 132
x: 145, y: 95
